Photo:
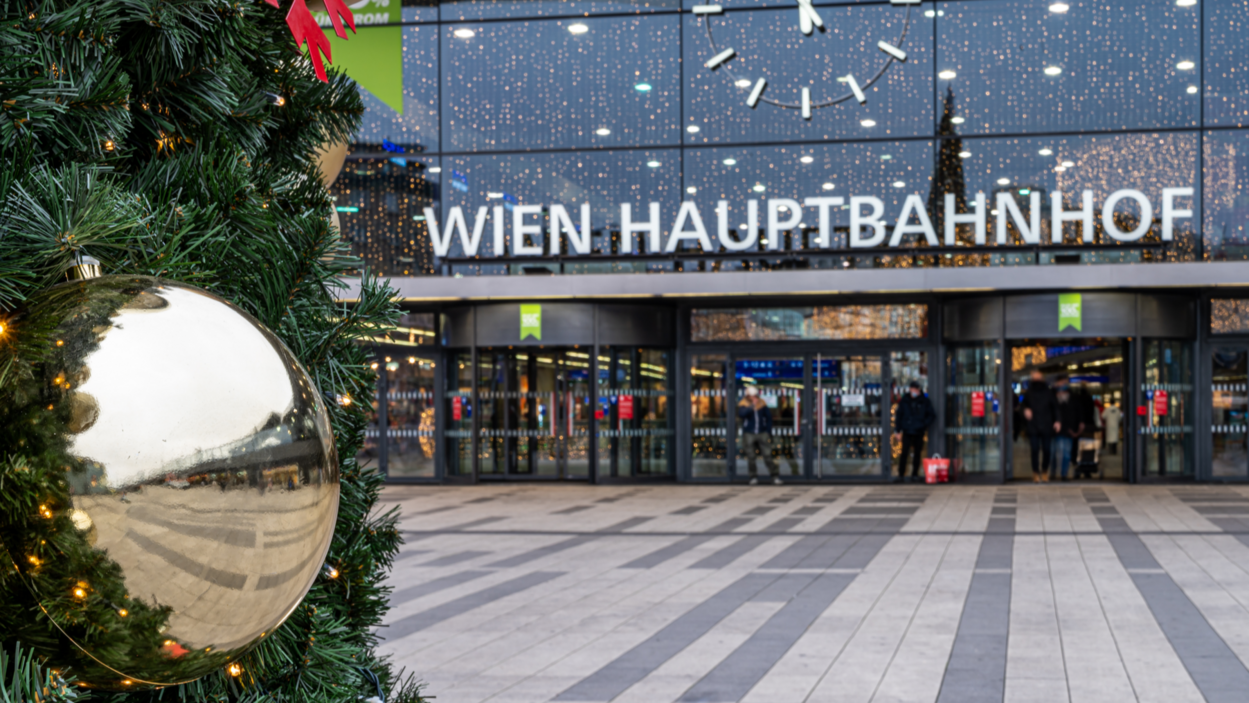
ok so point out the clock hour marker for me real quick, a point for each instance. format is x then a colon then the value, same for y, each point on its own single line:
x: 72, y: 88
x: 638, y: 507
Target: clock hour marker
x: 757, y: 92
x: 708, y: 9
x: 721, y: 58
x: 806, y: 103
x: 858, y: 92
x: 891, y: 50
x: 808, y: 18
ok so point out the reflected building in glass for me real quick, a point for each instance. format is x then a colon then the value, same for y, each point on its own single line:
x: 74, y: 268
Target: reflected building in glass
x: 607, y: 221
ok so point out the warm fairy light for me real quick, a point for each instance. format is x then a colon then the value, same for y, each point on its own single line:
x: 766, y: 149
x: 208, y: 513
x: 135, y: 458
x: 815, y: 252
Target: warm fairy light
x: 109, y: 145
x: 333, y: 573
x: 235, y: 670
x: 344, y: 400
x: 123, y: 612
x: 80, y: 592
x: 33, y: 559
x: 44, y: 511
x: 60, y: 342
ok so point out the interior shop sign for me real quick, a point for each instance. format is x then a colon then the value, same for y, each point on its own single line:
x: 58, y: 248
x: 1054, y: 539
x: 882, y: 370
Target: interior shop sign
x: 870, y: 226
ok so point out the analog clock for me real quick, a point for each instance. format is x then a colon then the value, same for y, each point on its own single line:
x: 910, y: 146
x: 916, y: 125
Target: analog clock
x: 811, y: 24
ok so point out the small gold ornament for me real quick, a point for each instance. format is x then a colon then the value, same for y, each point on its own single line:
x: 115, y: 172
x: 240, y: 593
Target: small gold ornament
x: 201, y: 485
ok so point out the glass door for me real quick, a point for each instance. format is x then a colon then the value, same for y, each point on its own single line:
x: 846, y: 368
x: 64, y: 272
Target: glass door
x: 1166, y: 427
x: 634, y: 431
x: 778, y: 383
x: 849, y: 415
x: 972, y: 412
x: 1230, y: 399
x: 410, y: 416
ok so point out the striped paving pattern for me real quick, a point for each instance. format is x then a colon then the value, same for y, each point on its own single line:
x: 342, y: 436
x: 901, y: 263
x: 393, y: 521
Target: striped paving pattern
x: 900, y: 594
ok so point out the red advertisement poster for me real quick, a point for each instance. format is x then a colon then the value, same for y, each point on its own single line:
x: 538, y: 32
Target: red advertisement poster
x: 1160, y: 403
x: 977, y: 404
x: 457, y: 408
x: 625, y: 407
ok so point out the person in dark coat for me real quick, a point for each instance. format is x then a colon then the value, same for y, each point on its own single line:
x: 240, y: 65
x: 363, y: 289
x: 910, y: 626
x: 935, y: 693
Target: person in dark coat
x: 1071, y: 416
x: 1040, y: 410
x: 910, y: 422
x: 756, y: 422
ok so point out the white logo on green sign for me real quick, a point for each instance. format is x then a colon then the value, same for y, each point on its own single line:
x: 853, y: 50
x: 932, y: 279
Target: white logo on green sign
x: 1070, y: 311
x: 531, y: 322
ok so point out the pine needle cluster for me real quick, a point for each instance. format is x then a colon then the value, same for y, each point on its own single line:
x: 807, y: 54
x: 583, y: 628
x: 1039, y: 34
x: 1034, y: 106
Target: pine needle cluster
x: 178, y: 138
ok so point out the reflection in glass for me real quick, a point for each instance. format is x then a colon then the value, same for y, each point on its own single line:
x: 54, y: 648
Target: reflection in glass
x: 379, y: 200
x: 779, y: 382
x: 907, y: 321
x: 1167, y: 392
x: 848, y: 406
x: 410, y: 409
x: 1229, y: 315
x: 1016, y: 66
x: 494, y: 9
x: 708, y: 415
x: 537, y: 84
x: 634, y: 423
x: 769, y: 45
x: 1226, y: 88
x: 972, y: 420
x: 414, y: 128
x: 458, y: 407
x: 1229, y: 420
x: 1226, y: 172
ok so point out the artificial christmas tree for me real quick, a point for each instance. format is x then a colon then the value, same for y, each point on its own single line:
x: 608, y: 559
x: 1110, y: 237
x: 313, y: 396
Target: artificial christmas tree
x: 179, y: 140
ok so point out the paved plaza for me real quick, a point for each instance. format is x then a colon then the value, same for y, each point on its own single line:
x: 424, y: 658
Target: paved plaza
x: 523, y: 593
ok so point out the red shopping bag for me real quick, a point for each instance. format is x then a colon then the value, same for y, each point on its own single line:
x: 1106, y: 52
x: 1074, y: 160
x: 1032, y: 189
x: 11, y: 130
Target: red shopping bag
x: 936, y: 469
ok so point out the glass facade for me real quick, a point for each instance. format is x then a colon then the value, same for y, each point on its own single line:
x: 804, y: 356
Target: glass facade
x: 520, y: 107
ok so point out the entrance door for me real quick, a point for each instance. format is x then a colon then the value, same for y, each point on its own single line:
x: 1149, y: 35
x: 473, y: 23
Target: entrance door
x: 778, y: 380
x: 535, y: 418
x: 1229, y: 419
x: 849, y: 409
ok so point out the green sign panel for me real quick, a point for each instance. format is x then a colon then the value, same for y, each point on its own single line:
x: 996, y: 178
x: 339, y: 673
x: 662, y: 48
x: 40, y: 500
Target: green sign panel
x: 531, y: 322
x: 373, y: 56
x: 1070, y: 311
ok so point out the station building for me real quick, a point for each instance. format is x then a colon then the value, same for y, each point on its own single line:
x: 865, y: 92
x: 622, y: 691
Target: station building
x: 607, y: 219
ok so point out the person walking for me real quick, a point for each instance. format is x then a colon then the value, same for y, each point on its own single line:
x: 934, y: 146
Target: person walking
x: 1111, y: 418
x: 756, y: 419
x: 910, y: 422
x: 1071, y: 415
x: 1041, y: 412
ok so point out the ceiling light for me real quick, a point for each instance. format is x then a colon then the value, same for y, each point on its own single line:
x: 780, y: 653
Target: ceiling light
x: 1068, y: 164
x: 1046, y: 152
x: 435, y: 169
x: 1059, y: 8
x: 642, y: 87
x: 1185, y: 3
x: 947, y: 75
x: 602, y: 131
x: 828, y: 186
x: 1060, y: 169
x: 1186, y: 65
x: 957, y: 120
x: 807, y: 159
x: 899, y: 184
x: 743, y: 83
x: 464, y: 33
x: 759, y: 188
x: 1192, y: 90
x: 929, y: 13
x: 578, y: 28
x: 886, y: 157
x: 653, y: 164
x: 1053, y: 71
x: 868, y: 123
x: 691, y: 190
x: 730, y: 162
x: 964, y: 154
x: 1003, y: 181
x: 692, y: 129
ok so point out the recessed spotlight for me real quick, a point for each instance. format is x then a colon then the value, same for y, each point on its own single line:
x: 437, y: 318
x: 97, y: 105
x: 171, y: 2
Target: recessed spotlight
x: 730, y: 162
x: 464, y: 33
x: 899, y: 184
x: 1185, y: 3
x: 1046, y: 152
x: 743, y: 83
x: 435, y: 169
x: 957, y: 120
x: 653, y: 164
x: 964, y: 154
x: 868, y: 123
x: 642, y: 87
x: 807, y: 159
x: 1058, y: 8
x: 1060, y: 169
x: 1068, y: 164
x: 929, y: 13
x: 1003, y: 181
x: 692, y: 129
x: 759, y: 188
x: 993, y: 212
x: 828, y: 186
x: 1053, y: 71
x: 578, y: 28
x: 1192, y: 90
x: 691, y: 190
x: 886, y: 157
x: 602, y: 131
x: 1186, y: 65
x: 947, y: 75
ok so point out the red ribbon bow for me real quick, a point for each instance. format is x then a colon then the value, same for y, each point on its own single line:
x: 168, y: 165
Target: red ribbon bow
x: 306, y: 30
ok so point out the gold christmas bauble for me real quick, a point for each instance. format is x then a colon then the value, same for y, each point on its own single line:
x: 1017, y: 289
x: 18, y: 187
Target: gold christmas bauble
x: 200, y: 488
x: 330, y: 160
